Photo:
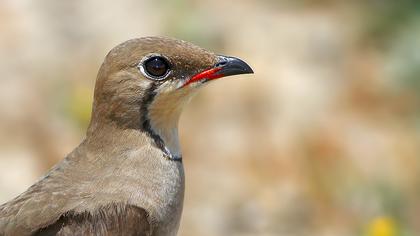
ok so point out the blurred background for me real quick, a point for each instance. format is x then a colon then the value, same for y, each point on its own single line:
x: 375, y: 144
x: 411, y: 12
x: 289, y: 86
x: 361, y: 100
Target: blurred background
x: 324, y: 139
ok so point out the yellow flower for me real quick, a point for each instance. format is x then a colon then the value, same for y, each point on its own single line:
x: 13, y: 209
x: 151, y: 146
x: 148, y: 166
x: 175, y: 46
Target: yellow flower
x: 381, y: 226
x: 80, y: 106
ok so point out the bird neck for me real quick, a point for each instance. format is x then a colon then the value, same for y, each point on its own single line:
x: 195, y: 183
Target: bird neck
x: 166, y: 129
x: 161, y: 129
x: 163, y: 115
x: 157, y: 117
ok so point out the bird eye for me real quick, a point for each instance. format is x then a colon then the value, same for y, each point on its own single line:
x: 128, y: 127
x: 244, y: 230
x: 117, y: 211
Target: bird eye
x: 156, y: 67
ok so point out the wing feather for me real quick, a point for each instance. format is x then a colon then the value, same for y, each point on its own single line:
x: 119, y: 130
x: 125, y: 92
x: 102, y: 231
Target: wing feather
x: 114, y: 219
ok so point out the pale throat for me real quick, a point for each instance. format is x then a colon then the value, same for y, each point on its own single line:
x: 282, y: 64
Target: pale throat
x: 164, y: 113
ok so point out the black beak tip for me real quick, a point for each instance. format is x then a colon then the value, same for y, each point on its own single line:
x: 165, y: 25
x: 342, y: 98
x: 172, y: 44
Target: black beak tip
x: 233, y: 66
x: 246, y: 69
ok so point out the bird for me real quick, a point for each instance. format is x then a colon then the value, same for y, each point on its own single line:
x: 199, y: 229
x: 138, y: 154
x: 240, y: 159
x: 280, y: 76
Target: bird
x: 126, y: 177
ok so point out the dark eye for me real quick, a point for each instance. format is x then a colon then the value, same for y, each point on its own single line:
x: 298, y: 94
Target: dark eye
x: 157, y: 67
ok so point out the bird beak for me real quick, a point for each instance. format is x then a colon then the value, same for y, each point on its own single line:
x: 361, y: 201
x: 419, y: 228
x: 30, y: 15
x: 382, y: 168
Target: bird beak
x: 225, y: 66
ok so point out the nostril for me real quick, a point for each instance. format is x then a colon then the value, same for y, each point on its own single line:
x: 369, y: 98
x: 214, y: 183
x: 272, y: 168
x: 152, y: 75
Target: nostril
x: 222, y: 63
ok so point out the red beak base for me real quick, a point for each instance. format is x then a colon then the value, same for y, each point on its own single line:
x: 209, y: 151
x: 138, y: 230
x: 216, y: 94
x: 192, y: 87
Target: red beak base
x: 225, y: 66
x: 207, y: 74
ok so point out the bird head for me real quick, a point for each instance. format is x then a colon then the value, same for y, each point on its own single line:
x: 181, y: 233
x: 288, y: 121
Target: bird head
x: 144, y: 83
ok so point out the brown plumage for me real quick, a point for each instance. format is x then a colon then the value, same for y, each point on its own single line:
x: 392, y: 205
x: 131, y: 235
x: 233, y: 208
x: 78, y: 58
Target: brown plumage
x: 126, y: 177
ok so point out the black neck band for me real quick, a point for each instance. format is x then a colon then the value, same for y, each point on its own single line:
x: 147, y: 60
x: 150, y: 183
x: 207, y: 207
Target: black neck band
x: 148, y: 97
